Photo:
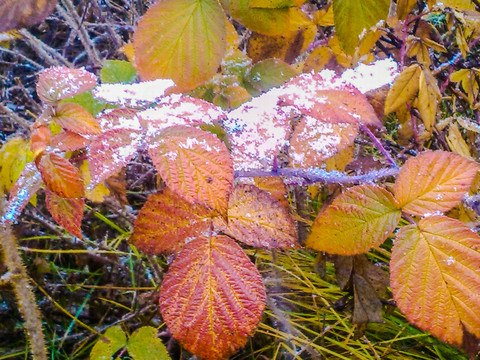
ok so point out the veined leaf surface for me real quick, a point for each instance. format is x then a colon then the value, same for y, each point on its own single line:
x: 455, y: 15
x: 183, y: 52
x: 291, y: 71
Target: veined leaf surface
x: 257, y: 219
x: 404, y: 88
x: 428, y: 98
x: 212, y: 297
x: 77, y: 119
x: 434, y: 181
x: 357, y: 220
x: 68, y: 213
x: 193, y: 163
x: 182, y: 40
x: 166, y: 221
x: 69, y: 141
x: 434, y: 273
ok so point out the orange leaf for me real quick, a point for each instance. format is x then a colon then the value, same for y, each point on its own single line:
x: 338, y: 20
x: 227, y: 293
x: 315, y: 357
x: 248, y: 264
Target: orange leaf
x: 212, y: 297
x: 68, y: 213
x: 40, y: 139
x: 69, y: 141
x: 166, y: 221
x: 60, y: 176
x: 28, y: 183
x: 193, y: 163
x: 25, y: 13
x: 357, y: 220
x: 257, y: 219
x: 57, y: 83
x: 182, y: 40
x: 275, y: 186
x: 75, y: 118
x: 433, y: 182
x: 434, y: 273
x: 313, y: 141
x: 111, y: 151
x: 330, y: 100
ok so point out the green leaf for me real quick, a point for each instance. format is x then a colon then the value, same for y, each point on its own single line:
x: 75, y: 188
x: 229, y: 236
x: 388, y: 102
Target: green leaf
x: 118, y: 71
x: 182, y: 40
x: 268, y: 74
x: 145, y: 345
x: 352, y: 17
x: 88, y: 102
x: 107, y: 345
x: 272, y: 4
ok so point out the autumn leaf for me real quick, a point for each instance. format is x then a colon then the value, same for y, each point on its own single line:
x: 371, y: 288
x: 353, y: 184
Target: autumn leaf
x: 60, y: 176
x: 268, y: 74
x: 435, y: 279
x: 68, y: 213
x: 40, y: 139
x: 404, y: 7
x: 144, y: 344
x: 75, y: 118
x: 456, y: 143
x: 109, y: 343
x: 428, y: 98
x: 97, y: 193
x: 13, y: 158
x: 257, y: 219
x: 275, y: 186
x: 193, y: 163
x: 120, y: 118
x: 111, y: 151
x: 180, y: 34
x: 404, y: 88
x: 57, y: 83
x: 212, y: 297
x: 360, y: 218
x: 166, y: 221
x: 348, y: 27
x: 69, y: 141
x: 272, y: 4
x: 26, y: 13
x: 433, y: 182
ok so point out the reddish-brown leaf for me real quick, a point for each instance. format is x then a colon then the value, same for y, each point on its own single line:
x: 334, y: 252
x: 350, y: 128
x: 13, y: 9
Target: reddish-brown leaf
x: 193, y: 163
x: 57, y: 83
x: 434, y: 273
x: 68, y: 213
x: 40, y: 139
x: 257, y: 219
x: 167, y: 221
x: 25, y: 13
x: 111, y: 151
x: 275, y: 186
x: 28, y: 183
x: 313, y: 141
x: 121, y: 118
x: 433, y: 182
x: 75, y: 118
x: 329, y: 100
x: 69, y: 141
x: 60, y: 176
x: 212, y: 297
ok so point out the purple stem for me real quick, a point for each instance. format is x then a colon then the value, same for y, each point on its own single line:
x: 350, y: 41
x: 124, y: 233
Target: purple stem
x: 378, y: 145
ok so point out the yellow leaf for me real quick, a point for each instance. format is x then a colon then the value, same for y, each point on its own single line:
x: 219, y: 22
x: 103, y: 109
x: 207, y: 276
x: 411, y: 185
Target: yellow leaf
x: 459, y: 4
x: 466, y: 77
x: 435, y: 278
x: 462, y: 43
x: 14, y: 155
x: 456, y: 142
x: 404, y: 89
x: 404, y: 7
x: 324, y: 17
x: 98, y: 193
x: 357, y: 220
x: 428, y: 98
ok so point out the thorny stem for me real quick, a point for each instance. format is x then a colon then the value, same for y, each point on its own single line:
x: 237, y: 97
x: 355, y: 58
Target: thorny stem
x: 15, y: 118
x: 50, y: 55
x: 378, y: 145
x: 17, y: 275
x: 311, y: 176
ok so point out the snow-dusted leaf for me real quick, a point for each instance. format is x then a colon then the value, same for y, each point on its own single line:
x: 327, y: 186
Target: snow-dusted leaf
x: 75, y: 118
x: 167, y: 221
x: 68, y: 213
x: 329, y: 98
x: 57, y: 83
x: 357, y: 220
x: 28, y: 183
x: 434, y: 181
x: 313, y: 141
x: 180, y: 110
x: 404, y: 88
x: 25, y: 13
x: 120, y: 118
x: 133, y: 95
x: 183, y: 40
x: 257, y: 219
x: 212, y: 297
x: 97, y: 193
x: 60, y: 176
x: 69, y: 141
x: 434, y: 273
x: 111, y: 151
x: 269, y: 73
x: 193, y: 163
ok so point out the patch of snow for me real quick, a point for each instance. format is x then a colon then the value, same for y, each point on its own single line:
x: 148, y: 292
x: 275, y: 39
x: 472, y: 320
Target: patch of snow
x: 369, y: 77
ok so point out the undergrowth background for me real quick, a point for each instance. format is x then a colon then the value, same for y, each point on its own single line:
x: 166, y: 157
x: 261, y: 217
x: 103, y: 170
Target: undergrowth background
x: 85, y: 286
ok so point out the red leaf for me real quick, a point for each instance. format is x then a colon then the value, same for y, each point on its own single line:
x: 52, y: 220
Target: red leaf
x: 111, y: 151
x: 68, y: 213
x: 167, y: 221
x: 28, y: 183
x: 212, y: 297
x: 40, y: 139
x: 195, y: 164
x: 60, y: 176
x: 75, y: 118
x: 69, y: 141
x: 57, y: 83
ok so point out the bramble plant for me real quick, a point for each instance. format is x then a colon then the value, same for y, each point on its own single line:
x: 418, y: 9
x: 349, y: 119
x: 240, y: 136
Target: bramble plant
x: 232, y: 145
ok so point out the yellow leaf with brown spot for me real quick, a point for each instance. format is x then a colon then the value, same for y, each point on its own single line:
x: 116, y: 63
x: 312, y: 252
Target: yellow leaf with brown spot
x: 456, y: 143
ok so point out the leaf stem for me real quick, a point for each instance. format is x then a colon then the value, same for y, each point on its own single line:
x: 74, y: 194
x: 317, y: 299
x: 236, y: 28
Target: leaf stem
x: 378, y: 145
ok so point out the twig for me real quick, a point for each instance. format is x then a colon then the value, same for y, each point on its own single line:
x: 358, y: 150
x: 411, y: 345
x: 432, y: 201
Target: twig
x: 47, y: 53
x: 15, y: 118
x: 378, y: 145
